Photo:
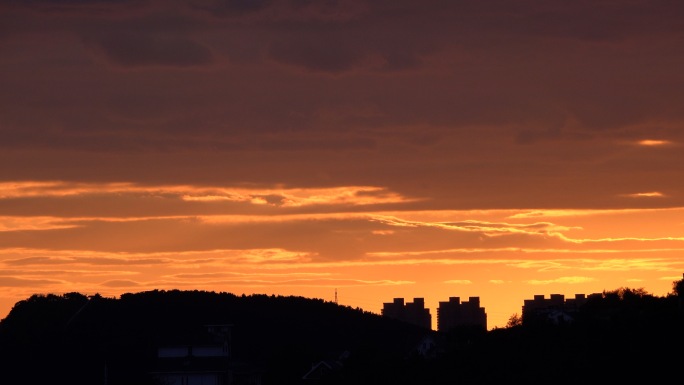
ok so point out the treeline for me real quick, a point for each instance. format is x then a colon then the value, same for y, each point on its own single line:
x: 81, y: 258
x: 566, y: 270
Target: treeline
x: 76, y: 338
x: 621, y: 335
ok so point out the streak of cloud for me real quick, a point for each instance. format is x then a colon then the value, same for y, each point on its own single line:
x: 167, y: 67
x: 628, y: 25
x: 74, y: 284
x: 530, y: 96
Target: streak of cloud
x: 653, y: 194
x: 13, y: 281
x: 653, y: 142
x: 564, y: 280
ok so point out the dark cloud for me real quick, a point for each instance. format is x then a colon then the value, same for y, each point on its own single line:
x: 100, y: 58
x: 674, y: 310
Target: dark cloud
x: 25, y: 282
x: 93, y: 261
x: 141, y: 50
x: 430, y: 98
x: 58, y: 4
x: 319, y: 55
x: 319, y: 144
x: 120, y: 283
x: 227, y: 8
x: 533, y: 136
x: 78, y: 3
x: 34, y: 261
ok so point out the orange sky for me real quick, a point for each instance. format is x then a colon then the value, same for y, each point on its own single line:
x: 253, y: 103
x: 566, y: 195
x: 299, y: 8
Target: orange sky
x: 379, y: 149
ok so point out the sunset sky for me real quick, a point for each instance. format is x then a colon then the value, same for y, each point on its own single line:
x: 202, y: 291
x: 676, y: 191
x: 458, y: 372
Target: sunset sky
x: 374, y: 148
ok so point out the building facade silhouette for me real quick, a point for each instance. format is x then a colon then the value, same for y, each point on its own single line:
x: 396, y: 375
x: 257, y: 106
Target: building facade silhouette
x: 204, y: 359
x: 556, y: 309
x: 411, y: 312
x: 454, y: 314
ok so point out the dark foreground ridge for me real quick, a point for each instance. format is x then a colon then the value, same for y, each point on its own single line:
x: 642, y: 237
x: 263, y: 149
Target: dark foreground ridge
x: 207, y: 338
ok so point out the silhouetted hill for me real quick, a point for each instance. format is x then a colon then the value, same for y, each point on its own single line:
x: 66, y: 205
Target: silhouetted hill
x: 74, y: 337
x: 621, y: 336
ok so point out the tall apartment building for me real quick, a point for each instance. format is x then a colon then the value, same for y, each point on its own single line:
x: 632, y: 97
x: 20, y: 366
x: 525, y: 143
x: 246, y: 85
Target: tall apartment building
x: 411, y: 312
x: 454, y: 313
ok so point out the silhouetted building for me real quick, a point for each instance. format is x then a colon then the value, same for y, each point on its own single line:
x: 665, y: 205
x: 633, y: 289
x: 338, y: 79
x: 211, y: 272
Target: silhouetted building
x: 205, y: 360
x: 411, y: 312
x: 454, y: 313
x: 555, y: 310
x: 325, y: 368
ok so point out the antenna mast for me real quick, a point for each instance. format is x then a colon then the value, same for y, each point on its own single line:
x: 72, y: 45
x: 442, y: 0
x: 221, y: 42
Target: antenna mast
x: 335, y: 296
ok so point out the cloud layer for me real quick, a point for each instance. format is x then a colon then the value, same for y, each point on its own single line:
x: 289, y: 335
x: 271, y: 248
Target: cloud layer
x: 294, y: 146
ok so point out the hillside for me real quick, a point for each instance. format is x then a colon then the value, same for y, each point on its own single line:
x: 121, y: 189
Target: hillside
x: 75, y: 339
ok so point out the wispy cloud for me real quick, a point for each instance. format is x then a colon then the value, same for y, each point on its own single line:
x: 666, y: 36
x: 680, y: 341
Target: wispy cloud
x: 652, y: 194
x: 355, y: 195
x: 283, y: 197
x: 483, y: 227
x: 34, y: 223
x: 13, y: 281
x: 563, y: 280
x: 524, y: 214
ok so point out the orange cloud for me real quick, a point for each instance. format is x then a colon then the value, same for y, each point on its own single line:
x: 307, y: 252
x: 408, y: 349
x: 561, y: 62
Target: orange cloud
x: 564, y: 280
x: 355, y: 195
x: 653, y: 142
x: 653, y: 194
x: 294, y: 197
x: 33, y: 223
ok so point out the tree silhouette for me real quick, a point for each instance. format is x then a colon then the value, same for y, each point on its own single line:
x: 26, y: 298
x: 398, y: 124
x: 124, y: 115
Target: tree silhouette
x: 514, y: 320
x: 678, y: 288
x: 617, y: 336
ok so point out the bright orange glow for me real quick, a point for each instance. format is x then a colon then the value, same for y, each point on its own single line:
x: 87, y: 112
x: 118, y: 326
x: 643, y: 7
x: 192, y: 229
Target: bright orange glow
x: 369, y: 256
x: 653, y: 194
x: 652, y: 142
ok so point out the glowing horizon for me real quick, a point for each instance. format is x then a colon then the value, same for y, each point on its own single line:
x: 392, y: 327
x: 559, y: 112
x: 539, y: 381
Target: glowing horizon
x: 353, y: 250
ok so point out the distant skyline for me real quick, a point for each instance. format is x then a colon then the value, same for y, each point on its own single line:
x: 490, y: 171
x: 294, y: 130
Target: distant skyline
x: 494, y: 149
